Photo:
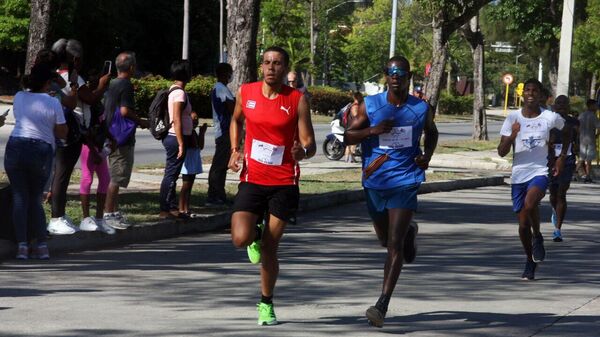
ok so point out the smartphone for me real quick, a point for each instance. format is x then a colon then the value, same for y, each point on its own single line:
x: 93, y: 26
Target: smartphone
x: 107, y: 68
x: 5, y: 113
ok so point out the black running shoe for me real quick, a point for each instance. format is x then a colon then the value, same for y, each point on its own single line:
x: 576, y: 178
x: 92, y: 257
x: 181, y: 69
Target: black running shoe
x: 410, y: 243
x: 538, y: 251
x: 529, y: 272
x: 375, y: 316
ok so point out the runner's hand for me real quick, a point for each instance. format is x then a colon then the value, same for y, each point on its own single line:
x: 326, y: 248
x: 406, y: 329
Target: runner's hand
x: 422, y: 161
x: 558, y: 166
x: 298, y: 151
x: 516, y: 127
x: 234, y: 161
x: 383, y: 127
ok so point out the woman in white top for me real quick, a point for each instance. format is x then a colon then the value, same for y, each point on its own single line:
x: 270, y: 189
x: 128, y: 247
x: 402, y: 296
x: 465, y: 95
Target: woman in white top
x: 28, y: 158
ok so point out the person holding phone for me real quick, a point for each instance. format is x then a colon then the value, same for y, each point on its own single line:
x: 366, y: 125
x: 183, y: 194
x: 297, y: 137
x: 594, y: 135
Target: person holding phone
x: 3, y: 117
x: 70, y: 56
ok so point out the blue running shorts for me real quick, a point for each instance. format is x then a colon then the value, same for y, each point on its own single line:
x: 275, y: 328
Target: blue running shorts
x: 378, y: 201
x: 519, y: 191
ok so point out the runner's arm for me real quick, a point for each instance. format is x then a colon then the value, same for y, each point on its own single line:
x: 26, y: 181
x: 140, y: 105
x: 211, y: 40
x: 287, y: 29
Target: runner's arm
x: 359, y: 128
x: 430, y: 141
x: 235, y: 133
x: 306, y: 133
x: 506, y: 142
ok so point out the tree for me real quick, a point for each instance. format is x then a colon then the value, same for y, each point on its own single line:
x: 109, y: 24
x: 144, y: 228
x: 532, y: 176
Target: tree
x: 447, y: 17
x: 472, y: 33
x: 39, y: 26
x: 586, y: 58
x: 14, y: 23
x: 242, y: 29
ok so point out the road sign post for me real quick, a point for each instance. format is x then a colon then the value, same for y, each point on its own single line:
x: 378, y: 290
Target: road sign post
x: 507, y: 79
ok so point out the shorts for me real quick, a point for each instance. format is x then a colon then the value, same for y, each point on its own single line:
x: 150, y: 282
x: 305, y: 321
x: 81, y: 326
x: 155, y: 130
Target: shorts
x: 587, y: 152
x: 280, y: 201
x: 192, y: 164
x: 519, y: 191
x: 565, y: 176
x: 121, y: 165
x: 403, y: 197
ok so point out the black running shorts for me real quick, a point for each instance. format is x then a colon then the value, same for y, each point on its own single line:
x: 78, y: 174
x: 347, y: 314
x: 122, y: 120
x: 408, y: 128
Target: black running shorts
x: 280, y: 201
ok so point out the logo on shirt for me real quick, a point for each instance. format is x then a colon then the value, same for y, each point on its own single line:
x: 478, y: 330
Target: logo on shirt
x: 250, y: 104
x: 287, y: 111
x: 534, y: 126
x: 532, y: 142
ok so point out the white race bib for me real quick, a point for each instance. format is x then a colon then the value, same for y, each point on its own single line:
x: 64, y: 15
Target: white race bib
x: 266, y: 153
x: 400, y: 137
x: 558, y: 150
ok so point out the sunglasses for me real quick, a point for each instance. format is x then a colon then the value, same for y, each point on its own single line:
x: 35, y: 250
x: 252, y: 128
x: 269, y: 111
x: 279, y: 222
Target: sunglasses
x: 394, y: 70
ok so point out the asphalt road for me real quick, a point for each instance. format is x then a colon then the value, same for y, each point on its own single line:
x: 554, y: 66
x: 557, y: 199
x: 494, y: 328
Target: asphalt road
x: 464, y: 282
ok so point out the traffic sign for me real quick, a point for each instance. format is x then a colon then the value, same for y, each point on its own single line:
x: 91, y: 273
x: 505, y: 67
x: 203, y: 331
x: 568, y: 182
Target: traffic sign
x: 507, y: 79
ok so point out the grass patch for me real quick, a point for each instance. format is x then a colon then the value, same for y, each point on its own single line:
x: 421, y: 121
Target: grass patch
x: 321, y: 119
x: 465, y: 145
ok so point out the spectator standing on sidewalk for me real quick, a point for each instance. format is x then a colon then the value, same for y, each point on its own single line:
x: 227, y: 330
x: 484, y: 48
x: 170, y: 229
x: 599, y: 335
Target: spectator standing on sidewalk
x: 294, y: 80
x: 279, y: 134
x: 192, y: 165
x: 588, y: 124
x: 559, y: 185
x: 347, y: 119
x: 177, y: 139
x: 389, y: 127
x: 223, y: 104
x: 527, y: 133
x: 120, y: 99
x: 39, y: 119
x: 70, y: 55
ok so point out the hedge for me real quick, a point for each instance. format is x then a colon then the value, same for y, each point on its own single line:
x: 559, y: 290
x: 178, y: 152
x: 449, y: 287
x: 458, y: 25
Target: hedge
x: 328, y: 100
x: 198, y: 90
x: 455, y: 105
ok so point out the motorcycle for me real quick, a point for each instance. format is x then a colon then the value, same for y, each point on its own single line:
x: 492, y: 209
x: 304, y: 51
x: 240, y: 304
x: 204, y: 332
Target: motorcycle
x: 334, y: 147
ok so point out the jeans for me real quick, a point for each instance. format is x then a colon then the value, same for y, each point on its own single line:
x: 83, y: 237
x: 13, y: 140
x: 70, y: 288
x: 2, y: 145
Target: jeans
x: 218, y: 169
x: 66, y: 158
x: 168, y: 195
x: 27, y: 162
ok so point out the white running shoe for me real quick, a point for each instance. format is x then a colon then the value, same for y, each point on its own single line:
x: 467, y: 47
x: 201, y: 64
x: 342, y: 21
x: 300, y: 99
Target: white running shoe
x: 89, y: 225
x: 61, y: 226
x: 104, y: 228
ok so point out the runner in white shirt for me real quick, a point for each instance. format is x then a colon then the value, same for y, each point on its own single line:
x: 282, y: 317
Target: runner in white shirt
x: 527, y: 132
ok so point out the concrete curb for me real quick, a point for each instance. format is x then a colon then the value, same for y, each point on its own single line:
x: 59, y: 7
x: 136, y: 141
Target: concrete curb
x: 212, y: 222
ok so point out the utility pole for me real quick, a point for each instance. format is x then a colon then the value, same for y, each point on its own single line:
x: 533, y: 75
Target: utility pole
x: 393, y: 32
x: 566, y: 43
x: 186, y: 29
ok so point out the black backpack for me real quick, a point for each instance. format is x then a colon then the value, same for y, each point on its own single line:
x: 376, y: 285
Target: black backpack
x: 158, y: 115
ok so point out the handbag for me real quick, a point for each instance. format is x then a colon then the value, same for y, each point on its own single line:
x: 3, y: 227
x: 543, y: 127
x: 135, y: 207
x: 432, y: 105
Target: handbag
x: 121, y: 128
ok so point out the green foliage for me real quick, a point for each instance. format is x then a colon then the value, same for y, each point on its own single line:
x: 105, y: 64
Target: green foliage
x: 328, y: 100
x: 586, y: 55
x: 577, y: 104
x: 14, y: 24
x: 455, y: 105
x: 198, y: 90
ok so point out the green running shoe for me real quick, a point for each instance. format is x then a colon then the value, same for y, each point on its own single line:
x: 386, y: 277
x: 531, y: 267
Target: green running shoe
x: 254, y: 248
x: 266, y: 314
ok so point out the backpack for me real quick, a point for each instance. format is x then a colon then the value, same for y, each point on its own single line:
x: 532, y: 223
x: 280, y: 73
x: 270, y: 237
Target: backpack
x: 158, y: 115
x: 75, y: 132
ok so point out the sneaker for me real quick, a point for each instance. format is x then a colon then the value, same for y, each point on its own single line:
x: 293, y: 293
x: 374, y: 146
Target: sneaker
x: 42, y: 252
x: 529, y: 272
x: 410, y: 243
x: 254, y: 248
x: 557, y: 236
x: 61, y: 226
x: 375, y: 316
x: 22, y: 251
x: 538, y: 251
x: 553, y: 218
x: 104, y: 228
x: 116, y: 220
x: 266, y: 314
x: 88, y: 224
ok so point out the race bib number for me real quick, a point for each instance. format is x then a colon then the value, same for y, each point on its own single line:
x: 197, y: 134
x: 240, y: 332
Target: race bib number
x: 399, y: 138
x: 266, y: 153
x: 558, y: 150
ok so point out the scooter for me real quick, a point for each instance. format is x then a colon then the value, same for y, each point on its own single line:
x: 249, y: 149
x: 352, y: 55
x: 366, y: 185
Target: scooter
x: 334, y: 147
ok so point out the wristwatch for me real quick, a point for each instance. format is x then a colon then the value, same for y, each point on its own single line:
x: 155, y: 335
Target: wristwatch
x: 305, y: 152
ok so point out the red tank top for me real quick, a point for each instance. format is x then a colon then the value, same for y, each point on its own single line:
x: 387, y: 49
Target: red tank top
x: 271, y: 129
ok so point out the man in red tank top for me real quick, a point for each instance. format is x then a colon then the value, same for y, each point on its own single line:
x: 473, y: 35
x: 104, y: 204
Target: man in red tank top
x: 279, y: 134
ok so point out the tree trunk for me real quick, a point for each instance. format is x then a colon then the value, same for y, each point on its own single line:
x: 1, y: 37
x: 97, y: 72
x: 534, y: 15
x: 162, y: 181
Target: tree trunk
x: 592, y: 92
x: 472, y: 33
x: 39, y: 25
x: 242, y: 30
x: 438, y: 65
